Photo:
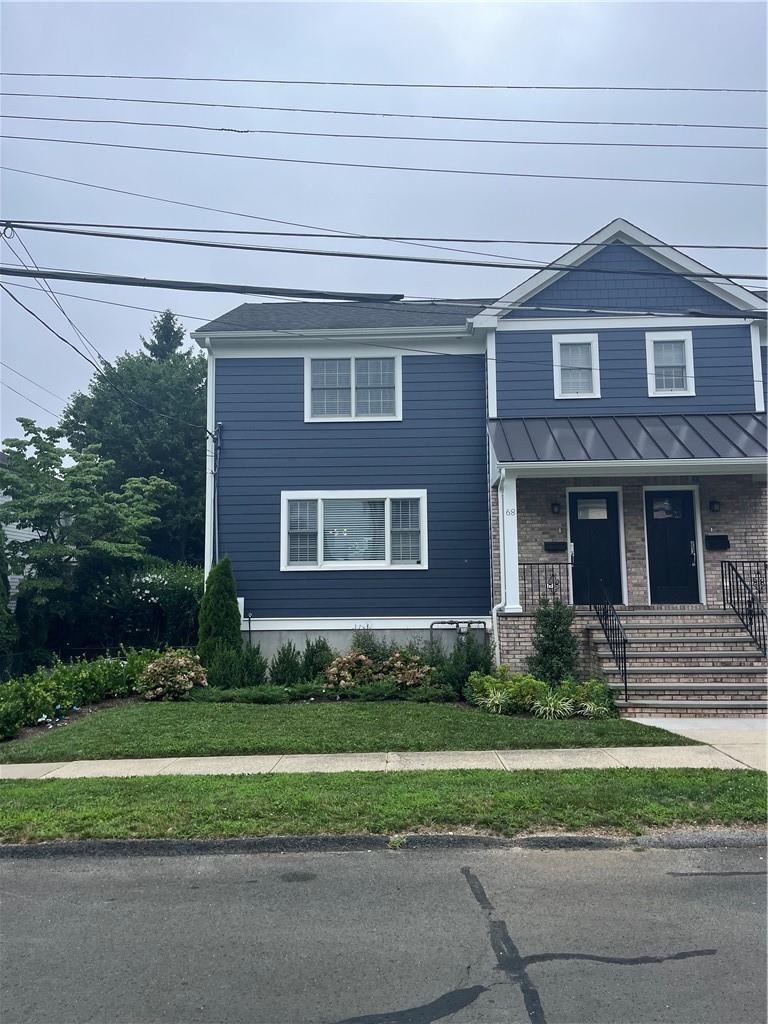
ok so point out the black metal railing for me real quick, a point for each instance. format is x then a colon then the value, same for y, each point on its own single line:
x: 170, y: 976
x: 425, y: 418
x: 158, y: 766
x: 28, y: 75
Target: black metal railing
x: 609, y: 619
x: 743, y: 584
x: 550, y: 580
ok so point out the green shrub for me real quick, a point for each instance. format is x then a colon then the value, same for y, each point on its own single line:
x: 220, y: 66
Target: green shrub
x: 9, y: 631
x: 287, y: 666
x: 495, y: 700
x: 470, y: 653
x: 375, y: 648
x: 381, y: 689
x: 589, y: 709
x: 11, y: 717
x: 219, y: 612
x: 161, y: 603
x: 253, y: 666
x: 438, y: 693
x: 318, y: 655
x: 555, y: 648
x: 521, y: 689
x: 405, y: 669
x: 307, y: 691
x: 264, y: 694
x: 171, y: 676
x: 553, y: 705
x: 225, y: 668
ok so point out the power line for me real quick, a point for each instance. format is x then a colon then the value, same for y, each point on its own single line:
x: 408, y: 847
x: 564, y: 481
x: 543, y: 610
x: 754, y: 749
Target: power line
x: 28, y: 399
x: 382, y: 167
x: 30, y: 380
x: 429, y: 310
x: 336, y: 254
x: 380, y: 238
x: 388, y: 85
x: 193, y: 286
x: 381, y: 113
x: 386, y: 138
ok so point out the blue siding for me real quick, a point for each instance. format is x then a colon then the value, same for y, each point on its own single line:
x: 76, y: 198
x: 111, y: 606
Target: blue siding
x: 440, y: 445
x: 722, y: 357
x: 587, y: 288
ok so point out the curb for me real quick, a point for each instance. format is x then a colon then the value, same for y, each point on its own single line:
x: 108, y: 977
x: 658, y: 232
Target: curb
x: 688, y: 840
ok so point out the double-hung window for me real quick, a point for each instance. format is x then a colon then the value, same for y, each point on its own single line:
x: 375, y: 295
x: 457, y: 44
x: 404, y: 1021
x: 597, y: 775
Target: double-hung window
x: 669, y: 360
x: 576, y: 365
x: 354, y: 530
x: 353, y: 388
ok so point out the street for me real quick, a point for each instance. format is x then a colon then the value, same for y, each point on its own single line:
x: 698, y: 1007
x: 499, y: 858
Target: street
x: 407, y: 936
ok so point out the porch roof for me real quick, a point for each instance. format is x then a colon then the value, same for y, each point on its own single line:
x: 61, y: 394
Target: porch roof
x: 606, y: 439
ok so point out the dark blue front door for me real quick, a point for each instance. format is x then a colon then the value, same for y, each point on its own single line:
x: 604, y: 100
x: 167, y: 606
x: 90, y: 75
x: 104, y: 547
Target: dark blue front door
x: 596, y: 551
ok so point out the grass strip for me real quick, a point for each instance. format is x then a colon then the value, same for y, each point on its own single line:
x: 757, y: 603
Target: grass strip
x: 140, y: 729
x: 504, y: 803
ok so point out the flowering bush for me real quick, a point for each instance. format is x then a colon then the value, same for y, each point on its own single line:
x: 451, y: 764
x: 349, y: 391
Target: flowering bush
x: 172, y: 676
x: 405, y: 669
x: 349, y: 670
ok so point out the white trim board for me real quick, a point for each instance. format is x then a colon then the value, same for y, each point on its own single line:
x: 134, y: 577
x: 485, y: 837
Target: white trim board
x: 757, y: 366
x: 697, y: 529
x: 360, y: 622
x: 594, y: 322
x: 620, y: 230
x: 619, y: 491
x: 638, y: 467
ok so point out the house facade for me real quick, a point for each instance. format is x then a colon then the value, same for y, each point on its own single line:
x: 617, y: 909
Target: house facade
x: 598, y: 434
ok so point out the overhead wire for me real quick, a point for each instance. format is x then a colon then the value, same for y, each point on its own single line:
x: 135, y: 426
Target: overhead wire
x: 385, y: 85
x: 358, y: 165
x: 28, y: 399
x: 385, y: 138
x: 381, y: 113
x: 31, y: 380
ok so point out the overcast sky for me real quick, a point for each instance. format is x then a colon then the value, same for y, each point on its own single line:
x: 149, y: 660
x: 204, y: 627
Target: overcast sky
x: 687, y: 44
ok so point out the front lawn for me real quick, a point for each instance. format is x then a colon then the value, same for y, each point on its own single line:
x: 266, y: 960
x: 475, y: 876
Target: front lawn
x: 183, y: 729
x: 504, y: 803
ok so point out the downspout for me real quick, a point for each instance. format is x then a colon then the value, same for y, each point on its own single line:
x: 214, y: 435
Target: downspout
x: 502, y: 570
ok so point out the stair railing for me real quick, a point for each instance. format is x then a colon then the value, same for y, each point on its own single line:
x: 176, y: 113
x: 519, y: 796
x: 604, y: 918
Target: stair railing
x: 608, y: 617
x: 745, y: 599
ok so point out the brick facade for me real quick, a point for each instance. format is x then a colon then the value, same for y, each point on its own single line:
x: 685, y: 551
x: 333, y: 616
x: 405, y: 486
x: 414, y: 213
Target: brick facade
x: 742, y: 516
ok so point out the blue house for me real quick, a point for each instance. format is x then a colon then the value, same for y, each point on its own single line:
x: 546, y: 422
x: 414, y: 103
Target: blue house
x: 598, y: 434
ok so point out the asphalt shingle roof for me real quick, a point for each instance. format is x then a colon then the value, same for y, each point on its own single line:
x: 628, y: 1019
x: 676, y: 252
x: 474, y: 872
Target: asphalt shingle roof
x: 318, y: 316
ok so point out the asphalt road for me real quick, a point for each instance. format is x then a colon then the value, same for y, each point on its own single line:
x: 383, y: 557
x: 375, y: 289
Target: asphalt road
x: 386, y: 937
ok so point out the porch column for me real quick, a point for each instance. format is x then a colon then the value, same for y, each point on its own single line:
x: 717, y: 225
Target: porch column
x: 508, y: 530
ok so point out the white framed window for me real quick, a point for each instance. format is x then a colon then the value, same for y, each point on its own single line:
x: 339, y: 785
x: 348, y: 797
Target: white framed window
x: 353, y: 530
x: 576, y: 363
x: 352, y: 387
x: 669, y: 362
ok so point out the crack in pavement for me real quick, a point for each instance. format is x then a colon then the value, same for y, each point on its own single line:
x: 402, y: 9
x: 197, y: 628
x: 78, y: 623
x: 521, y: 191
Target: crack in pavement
x: 709, y: 874
x: 443, y: 1006
x: 515, y: 965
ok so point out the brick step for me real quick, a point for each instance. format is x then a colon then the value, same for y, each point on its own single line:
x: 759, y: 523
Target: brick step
x: 699, y: 675
x: 734, y: 629
x: 692, y: 659
x: 697, y: 708
x: 699, y: 693
x: 711, y: 647
x: 750, y: 691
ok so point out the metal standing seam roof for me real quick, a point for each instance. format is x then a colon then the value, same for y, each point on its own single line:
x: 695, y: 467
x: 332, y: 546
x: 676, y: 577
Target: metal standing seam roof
x: 560, y: 439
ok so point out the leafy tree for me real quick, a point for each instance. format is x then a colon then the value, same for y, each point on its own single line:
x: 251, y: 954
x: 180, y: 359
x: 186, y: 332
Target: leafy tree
x: 219, y: 613
x: 8, y: 629
x: 147, y: 414
x: 83, y: 532
x: 167, y: 336
x: 555, y: 647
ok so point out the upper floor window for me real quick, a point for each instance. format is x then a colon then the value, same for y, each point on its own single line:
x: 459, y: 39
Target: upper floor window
x: 353, y: 387
x: 354, y: 530
x: 669, y: 359
x: 576, y: 365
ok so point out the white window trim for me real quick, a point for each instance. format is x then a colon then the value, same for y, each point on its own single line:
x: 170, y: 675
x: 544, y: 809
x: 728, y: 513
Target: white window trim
x: 650, y: 363
x: 582, y: 339
x: 387, y: 495
x: 352, y: 355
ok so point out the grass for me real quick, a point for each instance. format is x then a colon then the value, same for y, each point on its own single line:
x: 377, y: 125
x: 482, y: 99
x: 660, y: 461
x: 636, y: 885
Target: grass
x: 504, y: 803
x: 186, y: 729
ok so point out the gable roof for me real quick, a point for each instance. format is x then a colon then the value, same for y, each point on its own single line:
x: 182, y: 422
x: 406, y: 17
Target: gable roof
x: 252, y: 317
x: 620, y: 230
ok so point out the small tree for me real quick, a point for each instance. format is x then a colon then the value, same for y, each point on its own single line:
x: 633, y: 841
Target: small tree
x: 555, y: 648
x: 167, y: 336
x: 219, y: 612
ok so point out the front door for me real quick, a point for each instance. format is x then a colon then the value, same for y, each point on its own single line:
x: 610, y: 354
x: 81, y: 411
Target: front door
x: 595, y: 549
x: 670, y: 528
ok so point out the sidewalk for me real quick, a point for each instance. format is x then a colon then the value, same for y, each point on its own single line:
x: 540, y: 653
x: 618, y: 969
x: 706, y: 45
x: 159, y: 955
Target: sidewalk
x: 744, y: 739
x: 504, y: 760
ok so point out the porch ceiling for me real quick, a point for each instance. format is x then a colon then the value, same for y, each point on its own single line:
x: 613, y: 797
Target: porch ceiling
x: 564, y: 440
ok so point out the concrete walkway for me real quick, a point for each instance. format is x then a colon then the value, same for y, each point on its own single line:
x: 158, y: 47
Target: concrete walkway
x: 745, y: 739
x: 506, y: 760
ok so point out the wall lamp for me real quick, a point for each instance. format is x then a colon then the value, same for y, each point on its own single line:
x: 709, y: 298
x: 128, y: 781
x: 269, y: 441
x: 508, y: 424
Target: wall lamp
x: 555, y: 506
x: 714, y: 505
